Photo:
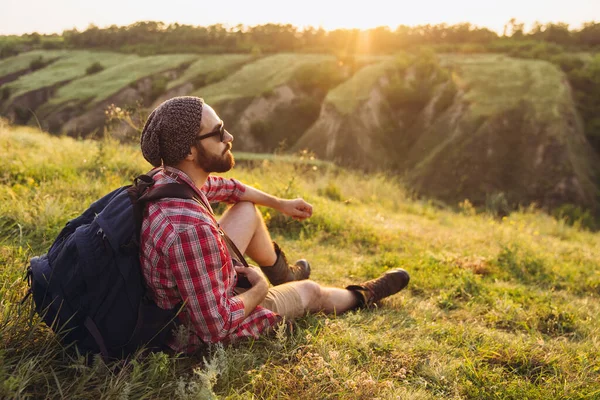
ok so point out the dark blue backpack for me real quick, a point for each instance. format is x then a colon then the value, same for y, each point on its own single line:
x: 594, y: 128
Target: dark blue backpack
x: 89, y: 287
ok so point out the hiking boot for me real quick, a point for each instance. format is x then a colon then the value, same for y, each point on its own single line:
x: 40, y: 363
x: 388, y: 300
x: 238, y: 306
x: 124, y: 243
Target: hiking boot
x: 282, y: 272
x: 370, y: 292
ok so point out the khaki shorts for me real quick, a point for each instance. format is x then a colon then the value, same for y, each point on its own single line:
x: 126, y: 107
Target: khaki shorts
x: 285, y: 301
x: 281, y: 299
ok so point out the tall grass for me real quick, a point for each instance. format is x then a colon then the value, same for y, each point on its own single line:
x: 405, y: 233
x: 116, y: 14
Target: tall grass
x: 496, y: 308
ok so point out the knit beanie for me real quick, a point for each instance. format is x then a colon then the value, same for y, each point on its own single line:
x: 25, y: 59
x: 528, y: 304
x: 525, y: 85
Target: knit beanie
x: 171, y: 130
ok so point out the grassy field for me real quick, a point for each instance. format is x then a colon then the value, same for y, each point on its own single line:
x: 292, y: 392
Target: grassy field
x: 356, y: 90
x: 259, y: 77
x: 22, y: 61
x: 209, y: 63
x: 496, y: 308
x: 494, y: 83
x: 70, y: 66
x: 97, y: 87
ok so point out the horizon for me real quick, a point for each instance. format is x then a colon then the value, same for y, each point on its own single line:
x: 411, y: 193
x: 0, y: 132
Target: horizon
x: 23, y: 18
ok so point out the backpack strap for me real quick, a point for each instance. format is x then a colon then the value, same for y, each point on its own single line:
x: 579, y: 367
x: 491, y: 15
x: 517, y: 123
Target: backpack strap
x: 95, y: 332
x: 140, y: 195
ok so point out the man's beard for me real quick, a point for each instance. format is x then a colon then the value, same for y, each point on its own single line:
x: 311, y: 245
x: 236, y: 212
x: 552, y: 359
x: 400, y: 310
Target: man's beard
x: 215, y: 163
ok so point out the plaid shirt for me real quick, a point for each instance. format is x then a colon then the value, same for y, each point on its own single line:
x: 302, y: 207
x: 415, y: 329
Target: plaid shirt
x: 185, y: 259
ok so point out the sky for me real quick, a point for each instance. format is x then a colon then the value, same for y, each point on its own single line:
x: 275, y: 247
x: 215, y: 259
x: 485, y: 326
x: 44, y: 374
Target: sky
x: 49, y: 16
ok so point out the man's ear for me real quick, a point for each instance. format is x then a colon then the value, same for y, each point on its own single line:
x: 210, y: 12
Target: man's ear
x: 192, y: 154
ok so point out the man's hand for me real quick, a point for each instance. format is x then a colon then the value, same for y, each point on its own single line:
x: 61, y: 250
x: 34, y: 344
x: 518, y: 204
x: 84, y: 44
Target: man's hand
x: 296, y: 208
x: 255, y: 276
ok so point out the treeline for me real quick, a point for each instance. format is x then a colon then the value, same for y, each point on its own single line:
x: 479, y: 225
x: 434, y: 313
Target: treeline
x: 151, y: 37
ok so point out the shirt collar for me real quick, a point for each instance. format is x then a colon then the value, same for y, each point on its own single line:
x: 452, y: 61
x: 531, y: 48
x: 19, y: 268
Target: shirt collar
x: 180, y: 176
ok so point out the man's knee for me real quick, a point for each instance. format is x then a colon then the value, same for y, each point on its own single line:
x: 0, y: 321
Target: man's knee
x: 310, y: 294
x: 246, y: 207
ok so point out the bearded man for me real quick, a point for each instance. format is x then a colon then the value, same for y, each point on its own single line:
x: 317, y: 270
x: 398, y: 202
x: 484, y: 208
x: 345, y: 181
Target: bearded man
x: 184, y: 255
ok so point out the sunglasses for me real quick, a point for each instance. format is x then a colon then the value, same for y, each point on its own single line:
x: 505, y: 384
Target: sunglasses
x: 219, y: 131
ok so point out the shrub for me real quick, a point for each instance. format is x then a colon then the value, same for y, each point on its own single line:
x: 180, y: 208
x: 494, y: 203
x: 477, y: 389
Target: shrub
x: 159, y: 86
x: 331, y: 191
x: 414, y: 93
x: 323, y: 76
x: 497, y: 204
x: 8, y: 50
x: 205, y: 79
x: 37, y: 63
x: 4, y: 93
x: 261, y: 130
x: 94, y: 68
x: 523, y: 266
x: 576, y: 216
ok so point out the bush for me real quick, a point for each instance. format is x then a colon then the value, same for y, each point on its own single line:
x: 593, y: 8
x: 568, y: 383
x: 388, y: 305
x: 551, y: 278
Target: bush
x: 323, y: 76
x: 575, y: 216
x: 414, y: 94
x: 8, y: 50
x: 331, y: 191
x: 202, y: 80
x: 497, y: 204
x: 261, y: 130
x: 159, y: 86
x: 536, y: 50
x: 4, y: 93
x: 94, y: 68
x: 36, y: 64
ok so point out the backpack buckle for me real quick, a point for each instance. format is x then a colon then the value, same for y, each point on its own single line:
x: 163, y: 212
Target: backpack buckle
x: 28, y: 278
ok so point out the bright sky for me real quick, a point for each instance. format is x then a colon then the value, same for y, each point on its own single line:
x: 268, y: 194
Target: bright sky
x: 48, y: 16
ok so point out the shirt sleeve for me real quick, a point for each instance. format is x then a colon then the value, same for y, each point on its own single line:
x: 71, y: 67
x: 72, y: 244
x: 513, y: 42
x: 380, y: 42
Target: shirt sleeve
x: 205, y: 279
x: 219, y: 189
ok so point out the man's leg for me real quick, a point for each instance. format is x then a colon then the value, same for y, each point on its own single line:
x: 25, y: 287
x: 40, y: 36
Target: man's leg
x: 316, y: 298
x: 294, y: 299
x: 244, y: 224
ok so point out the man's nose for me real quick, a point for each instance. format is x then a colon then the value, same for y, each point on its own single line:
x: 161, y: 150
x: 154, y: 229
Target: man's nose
x: 228, y: 137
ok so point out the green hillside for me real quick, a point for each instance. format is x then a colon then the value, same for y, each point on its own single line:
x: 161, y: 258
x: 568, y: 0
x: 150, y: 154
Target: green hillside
x: 23, y: 61
x: 209, y: 64
x: 496, y: 308
x: 356, y: 90
x: 70, y: 66
x: 510, y: 115
x: 94, y: 88
x: 472, y: 127
x: 259, y: 77
x: 495, y: 83
x: 455, y: 126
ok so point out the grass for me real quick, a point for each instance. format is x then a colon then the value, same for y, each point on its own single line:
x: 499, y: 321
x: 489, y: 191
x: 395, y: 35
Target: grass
x: 22, y: 61
x: 494, y: 83
x: 259, y: 77
x: 209, y: 63
x: 97, y: 87
x: 355, y: 91
x: 70, y: 66
x: 497, y: 308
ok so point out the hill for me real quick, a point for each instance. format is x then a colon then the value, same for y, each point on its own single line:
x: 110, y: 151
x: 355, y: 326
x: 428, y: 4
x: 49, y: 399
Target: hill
x: 496, y: 308
x: 471, y: 127
x: 496, y: 130
x: 263, y: 102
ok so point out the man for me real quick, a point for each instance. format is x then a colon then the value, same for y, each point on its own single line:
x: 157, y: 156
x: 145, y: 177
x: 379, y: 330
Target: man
x: 185, y: 258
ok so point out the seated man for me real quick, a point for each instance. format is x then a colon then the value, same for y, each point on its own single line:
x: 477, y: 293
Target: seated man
x: 185, y: 258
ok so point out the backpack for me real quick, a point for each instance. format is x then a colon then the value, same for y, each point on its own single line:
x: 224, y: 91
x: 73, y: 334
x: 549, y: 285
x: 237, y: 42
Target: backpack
x: 89, y: 287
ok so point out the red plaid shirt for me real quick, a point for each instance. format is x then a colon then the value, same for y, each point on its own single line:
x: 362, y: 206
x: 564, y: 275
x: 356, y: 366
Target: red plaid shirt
x: 185, y: 259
